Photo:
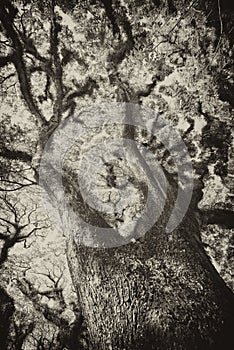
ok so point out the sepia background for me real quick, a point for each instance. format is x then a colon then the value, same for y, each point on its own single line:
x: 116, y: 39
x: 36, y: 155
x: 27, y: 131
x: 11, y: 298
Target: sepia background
x: 57, y: 57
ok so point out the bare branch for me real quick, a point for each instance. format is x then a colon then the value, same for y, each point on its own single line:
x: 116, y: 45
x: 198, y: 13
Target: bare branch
x: 15, y: 185
x: 16, y: 225
x: 31, y: 292
x: 7, y: 77
x: 8, y: 243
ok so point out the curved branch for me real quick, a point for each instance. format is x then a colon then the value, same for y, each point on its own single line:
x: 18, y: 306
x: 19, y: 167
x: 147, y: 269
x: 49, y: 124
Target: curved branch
x: 17, y: 59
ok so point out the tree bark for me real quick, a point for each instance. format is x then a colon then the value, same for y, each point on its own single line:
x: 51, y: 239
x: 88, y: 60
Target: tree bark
x: 161, y: 292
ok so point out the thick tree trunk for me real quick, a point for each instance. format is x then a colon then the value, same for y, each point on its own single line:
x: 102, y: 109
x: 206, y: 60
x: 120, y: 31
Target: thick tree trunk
x: 159, y: 293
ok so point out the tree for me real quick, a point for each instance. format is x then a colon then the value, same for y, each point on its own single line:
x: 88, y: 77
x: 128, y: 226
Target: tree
x: 46, y: 313
x: 160, y: 291
x: 6, y: 312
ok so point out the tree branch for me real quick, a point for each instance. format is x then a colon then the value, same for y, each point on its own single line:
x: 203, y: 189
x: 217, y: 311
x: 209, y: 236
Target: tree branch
x: 8, y: 243
x: 54, y: 42
x: 17, y: 59
x: 31, y: 292
x: 220, y: 217
x: 15, y: 155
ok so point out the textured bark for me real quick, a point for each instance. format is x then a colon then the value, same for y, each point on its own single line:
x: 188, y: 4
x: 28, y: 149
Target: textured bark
x: 161, y: 293
x: 158, y: 293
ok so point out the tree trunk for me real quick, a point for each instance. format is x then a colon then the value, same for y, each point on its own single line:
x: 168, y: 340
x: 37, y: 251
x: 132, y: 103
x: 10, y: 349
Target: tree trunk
x: 158, y: 293
x: 161, y: 292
